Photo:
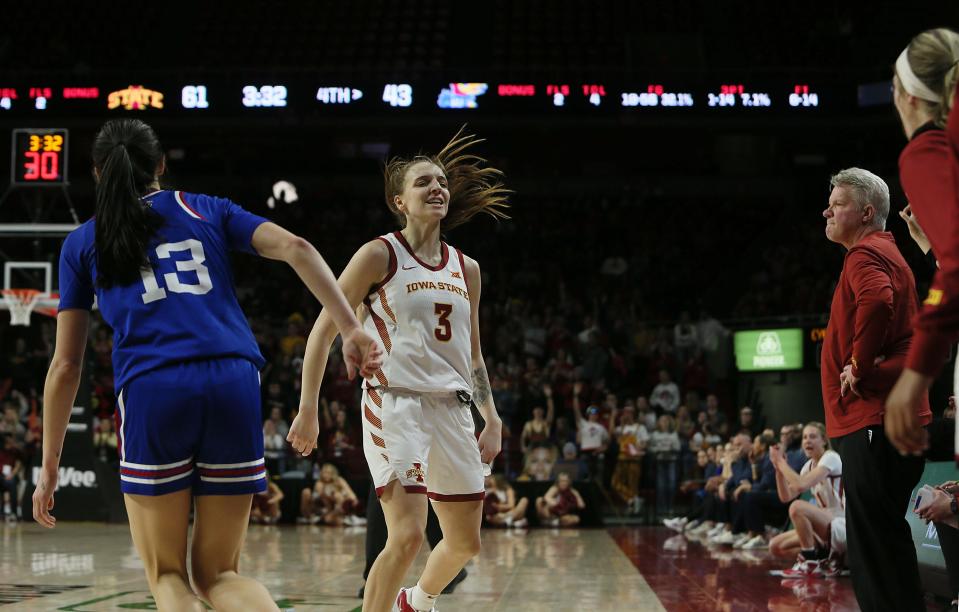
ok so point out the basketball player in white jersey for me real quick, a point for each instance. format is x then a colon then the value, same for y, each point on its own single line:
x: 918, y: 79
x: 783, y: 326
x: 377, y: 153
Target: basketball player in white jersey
x: 819, y: 536
x: 421, y: 298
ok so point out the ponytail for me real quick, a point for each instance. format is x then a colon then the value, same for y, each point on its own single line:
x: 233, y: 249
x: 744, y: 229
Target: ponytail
x: 933, y: 58
x: 950, y: 81
x: 126, y: 154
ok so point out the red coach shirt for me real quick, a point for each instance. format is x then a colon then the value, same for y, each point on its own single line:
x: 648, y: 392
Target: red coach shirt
x: 929, y: 172
x: 871, y: 316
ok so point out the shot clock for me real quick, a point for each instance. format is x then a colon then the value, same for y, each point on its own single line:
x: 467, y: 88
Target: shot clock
x: 39, y: 156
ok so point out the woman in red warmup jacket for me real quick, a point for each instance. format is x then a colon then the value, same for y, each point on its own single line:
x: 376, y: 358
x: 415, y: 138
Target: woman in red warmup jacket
x: 924, y: 86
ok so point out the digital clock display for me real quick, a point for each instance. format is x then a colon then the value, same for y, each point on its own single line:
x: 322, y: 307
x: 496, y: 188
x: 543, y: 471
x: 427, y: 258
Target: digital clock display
x: 264, y: 96
x: 39, y: 156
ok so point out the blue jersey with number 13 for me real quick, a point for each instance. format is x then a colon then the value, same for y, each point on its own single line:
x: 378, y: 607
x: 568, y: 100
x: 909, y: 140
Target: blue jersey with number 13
x: 184, y: 307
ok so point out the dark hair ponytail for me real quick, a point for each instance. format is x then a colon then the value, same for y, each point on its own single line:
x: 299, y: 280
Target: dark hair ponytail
x: 126, y: 154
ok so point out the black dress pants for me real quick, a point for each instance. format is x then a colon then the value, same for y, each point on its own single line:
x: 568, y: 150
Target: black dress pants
x: 881, y: 555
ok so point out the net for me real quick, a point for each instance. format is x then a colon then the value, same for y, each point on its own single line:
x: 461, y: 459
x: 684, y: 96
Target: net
x: 21, y: 303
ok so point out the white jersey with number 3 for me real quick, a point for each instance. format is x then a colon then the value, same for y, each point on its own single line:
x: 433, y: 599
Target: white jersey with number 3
x: 421, y: 316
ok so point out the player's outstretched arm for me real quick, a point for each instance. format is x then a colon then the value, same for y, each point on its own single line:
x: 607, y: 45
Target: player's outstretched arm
x: 368, y: 267
x: 272, y: 241
x: 59, y: 392
x: 491, y: 439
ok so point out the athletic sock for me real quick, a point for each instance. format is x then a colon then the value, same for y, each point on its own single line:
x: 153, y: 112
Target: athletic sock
x: 420, y: 599
x: 813, y: 554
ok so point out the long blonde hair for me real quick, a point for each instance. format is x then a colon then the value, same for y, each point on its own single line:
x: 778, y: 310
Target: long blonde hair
x: 934, y: 58
x: 474, y: 187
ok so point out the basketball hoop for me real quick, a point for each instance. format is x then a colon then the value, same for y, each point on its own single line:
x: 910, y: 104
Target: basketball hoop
x: 21, y: 303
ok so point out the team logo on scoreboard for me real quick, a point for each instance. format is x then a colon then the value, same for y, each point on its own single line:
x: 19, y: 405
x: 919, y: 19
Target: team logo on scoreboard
x: 461, y: 95
x: 135, y: 97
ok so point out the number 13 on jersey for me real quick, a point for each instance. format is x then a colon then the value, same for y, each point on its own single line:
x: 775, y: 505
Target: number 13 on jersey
x: 153, y: 290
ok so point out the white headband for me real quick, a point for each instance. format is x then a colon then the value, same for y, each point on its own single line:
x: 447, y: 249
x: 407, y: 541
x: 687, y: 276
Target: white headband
x: 910, y: 82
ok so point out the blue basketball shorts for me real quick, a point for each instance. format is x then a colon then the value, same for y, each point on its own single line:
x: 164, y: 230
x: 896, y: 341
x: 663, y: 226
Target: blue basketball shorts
x: 194, y: 425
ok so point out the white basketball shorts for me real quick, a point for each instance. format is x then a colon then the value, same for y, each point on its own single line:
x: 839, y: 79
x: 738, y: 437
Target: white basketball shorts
x: 424, y: 440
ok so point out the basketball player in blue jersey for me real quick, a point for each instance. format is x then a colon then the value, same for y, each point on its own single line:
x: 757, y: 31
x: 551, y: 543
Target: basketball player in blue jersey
x: 186, y: 365
x: 422, y: 302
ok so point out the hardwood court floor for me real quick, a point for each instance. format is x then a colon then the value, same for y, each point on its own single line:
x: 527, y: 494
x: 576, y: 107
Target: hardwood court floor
x: 689, y: 576
x: 86, y: 567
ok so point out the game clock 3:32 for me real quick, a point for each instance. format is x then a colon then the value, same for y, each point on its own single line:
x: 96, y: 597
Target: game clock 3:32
x: 39, y: 156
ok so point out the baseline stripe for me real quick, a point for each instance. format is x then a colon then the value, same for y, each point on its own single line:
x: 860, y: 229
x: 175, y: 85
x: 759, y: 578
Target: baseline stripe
x: 239, y: 472
x: 146, y: 466
x: 155, y: 474
x: 259, y: 476
x: 156, y: 481
x: 223, y: 466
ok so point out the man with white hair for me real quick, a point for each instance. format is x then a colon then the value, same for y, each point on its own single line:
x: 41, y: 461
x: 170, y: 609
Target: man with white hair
x: 866, y: 343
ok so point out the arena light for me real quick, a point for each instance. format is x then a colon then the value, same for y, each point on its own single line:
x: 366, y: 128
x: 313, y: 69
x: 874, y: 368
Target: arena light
x: 284, y: 192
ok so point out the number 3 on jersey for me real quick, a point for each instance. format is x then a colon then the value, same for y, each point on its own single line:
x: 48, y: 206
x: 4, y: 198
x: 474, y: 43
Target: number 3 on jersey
x: 444, y: 332
x: 203, y: 285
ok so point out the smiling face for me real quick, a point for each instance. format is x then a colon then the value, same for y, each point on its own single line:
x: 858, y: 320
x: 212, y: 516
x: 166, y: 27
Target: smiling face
x: 426, y: 193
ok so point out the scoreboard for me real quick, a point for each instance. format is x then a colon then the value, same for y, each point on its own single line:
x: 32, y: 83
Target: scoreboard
x: 299, y: 95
